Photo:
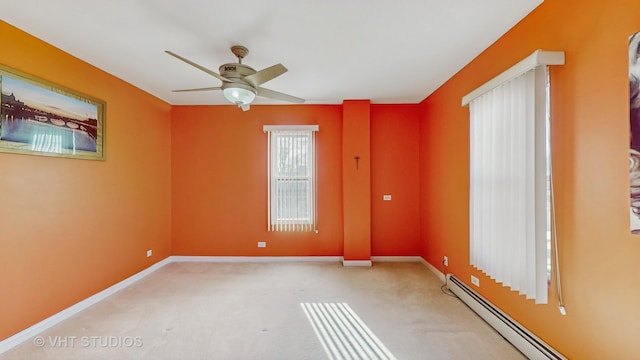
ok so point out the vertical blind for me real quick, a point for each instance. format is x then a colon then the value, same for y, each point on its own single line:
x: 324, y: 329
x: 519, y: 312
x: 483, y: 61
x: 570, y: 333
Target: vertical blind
x: 292, y: 189
x: 508, y: 184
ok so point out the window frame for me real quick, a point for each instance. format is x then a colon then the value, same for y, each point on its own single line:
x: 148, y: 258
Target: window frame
x: 309, y: 222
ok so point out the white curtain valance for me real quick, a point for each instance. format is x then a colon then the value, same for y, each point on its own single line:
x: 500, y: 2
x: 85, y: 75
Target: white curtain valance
x: 537, y: 58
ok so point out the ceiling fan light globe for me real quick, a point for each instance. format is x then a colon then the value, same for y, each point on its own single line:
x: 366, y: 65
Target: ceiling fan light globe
x: 238, y: 95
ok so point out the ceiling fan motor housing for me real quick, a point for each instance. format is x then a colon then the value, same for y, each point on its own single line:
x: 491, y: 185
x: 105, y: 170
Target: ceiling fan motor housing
x: 235, y: 70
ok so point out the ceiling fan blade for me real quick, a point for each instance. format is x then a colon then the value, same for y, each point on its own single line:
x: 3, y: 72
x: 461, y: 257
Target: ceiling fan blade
x: 200, y: 67
x: 199, y: 89
x: 279, y: 96
x: 265, y: 75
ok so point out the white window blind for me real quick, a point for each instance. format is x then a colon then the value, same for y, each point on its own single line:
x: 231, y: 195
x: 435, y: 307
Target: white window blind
x: 509, y: 188
x: 292, y: 189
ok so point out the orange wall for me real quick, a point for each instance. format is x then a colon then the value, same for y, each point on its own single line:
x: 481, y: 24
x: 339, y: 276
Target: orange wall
x: 219, y: 181
x: 590, y: 111
x: 71, y: 228
x: 395, y: 224
x: 356, y: 179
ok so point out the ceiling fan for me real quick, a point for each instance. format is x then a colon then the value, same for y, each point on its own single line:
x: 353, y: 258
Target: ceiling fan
x: 241, y: 83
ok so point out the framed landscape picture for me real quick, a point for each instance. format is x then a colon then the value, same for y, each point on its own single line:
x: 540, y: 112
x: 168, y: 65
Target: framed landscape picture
x: 41, y: 118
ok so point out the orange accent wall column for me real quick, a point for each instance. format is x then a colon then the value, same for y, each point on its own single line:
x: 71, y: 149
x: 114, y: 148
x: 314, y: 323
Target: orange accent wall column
x: 356, y: 179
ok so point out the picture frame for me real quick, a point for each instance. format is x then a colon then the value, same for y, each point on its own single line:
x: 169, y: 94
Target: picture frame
x: 634, y: 126
x: 38, y: 117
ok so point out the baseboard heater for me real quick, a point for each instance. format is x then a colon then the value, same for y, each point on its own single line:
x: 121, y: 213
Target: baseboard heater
x: 525, y: 341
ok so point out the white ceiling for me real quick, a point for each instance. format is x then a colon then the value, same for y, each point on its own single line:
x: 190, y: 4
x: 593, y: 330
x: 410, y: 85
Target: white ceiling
x: 388, y: 51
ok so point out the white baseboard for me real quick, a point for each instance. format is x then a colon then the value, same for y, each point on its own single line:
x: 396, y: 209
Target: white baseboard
x: 433, y: 269
x: 419, y: 259
x: 356, y: 263
x: 250, y: 259
x: 26, y: 334
x: 396, y: 259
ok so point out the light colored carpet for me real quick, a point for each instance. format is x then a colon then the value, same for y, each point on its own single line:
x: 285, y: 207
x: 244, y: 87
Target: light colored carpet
x: 253, y: 311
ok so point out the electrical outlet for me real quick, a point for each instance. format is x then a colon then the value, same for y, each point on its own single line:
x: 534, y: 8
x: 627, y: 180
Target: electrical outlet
x: 262, y: 244
x: 475, y: 281
x: 445, y: 261
x: 149, y: 253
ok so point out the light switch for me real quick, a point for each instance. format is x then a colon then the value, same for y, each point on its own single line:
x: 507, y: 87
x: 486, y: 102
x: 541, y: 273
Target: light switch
x: 386, y: 197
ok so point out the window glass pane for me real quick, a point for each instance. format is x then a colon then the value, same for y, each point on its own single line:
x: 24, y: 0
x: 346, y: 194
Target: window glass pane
x: 295, y: 194
x: 291, y: 155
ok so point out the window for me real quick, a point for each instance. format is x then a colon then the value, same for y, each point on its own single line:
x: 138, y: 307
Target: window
x: 291, y: 178
x: 510, y: 197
